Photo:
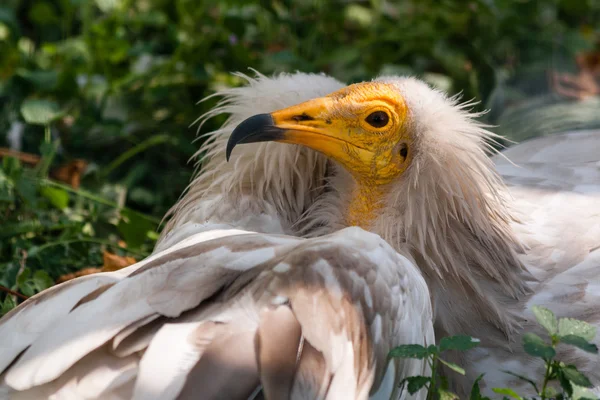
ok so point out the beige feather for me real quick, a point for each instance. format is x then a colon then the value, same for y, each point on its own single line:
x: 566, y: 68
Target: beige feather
x: 213, y: 337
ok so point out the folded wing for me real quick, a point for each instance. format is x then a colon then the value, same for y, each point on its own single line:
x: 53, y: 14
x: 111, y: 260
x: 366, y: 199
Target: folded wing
x: 225, y: 318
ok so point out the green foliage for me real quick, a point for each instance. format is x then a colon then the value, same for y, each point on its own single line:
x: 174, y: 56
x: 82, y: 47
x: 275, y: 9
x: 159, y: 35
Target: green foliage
x: 436, y: 385
x: 570, y: 380
x: 50, y: 229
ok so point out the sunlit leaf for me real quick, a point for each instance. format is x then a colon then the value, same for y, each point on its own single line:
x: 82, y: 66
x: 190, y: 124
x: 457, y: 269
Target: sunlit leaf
x: 507, y: 392
x: 452, y: 366
x: 446, y: 395
x: 40, y: 112
x: 570, y: 326
x: 58, y: 197
x: 546, y: 318
x: 416, y: 383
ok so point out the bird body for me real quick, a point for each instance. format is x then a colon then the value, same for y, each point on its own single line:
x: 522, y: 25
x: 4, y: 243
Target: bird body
x: 260, y: 279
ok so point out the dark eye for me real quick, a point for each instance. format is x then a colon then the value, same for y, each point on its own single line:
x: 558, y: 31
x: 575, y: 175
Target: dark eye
x: 378, y: 119
x: 404, y: 150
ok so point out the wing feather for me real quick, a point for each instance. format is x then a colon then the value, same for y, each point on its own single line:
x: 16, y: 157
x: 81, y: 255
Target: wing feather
x: 278, y: 345
x: 308, y: 317
x: 132, y: 299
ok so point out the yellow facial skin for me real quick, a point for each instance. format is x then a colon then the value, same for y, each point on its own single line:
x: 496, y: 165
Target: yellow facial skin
x: 338, y: 126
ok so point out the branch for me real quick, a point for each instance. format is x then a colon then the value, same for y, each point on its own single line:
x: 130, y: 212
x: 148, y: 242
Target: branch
x: 9, y: 291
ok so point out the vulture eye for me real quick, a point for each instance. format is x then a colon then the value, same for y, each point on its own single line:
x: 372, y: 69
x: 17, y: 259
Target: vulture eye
x: 404, y: 150
x: 378, y: 119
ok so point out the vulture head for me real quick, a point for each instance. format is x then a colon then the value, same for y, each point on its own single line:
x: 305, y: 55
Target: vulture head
x: 412, y: 165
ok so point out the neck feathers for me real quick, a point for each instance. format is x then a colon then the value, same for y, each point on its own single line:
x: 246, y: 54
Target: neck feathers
x: 451, y: 212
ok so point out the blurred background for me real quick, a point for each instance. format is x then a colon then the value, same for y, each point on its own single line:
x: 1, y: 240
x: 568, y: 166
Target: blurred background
x: 97, y: 98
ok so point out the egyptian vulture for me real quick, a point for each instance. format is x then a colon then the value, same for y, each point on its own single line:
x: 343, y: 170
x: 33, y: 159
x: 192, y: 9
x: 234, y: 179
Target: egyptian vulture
x: 291, y: 270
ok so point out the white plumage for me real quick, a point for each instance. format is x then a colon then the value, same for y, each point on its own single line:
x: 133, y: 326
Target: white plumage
x: 256, y: 281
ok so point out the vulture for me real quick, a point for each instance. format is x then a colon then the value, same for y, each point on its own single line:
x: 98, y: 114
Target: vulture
x: 327, y: 225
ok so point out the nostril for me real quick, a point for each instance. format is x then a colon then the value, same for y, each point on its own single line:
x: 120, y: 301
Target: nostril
x: 302, y: 117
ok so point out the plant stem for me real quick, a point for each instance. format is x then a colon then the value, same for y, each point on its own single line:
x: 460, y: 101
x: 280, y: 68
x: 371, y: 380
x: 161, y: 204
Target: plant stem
x: 10, y: 291
x: 546, y: 378
x: 47, y: 133
x: 87, y: 240
x: 98, y: 199
x: 152, y: 141
x: 432, y: 384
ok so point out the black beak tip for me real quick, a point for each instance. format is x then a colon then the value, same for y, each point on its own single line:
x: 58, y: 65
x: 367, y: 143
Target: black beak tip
x: 258, y: 128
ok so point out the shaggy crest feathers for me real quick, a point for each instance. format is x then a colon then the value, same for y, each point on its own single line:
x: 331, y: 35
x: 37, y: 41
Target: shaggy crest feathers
x: 286, y: 177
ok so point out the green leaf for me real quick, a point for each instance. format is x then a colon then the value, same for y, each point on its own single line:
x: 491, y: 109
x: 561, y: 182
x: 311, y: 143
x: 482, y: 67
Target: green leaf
x: 523, y: 378
x: 458, y: 342
x: 48, y: 150
x: 564, y: 382
x: 41, y: 280
x: 546, y: 318
x: 446, y: 395
x: 570, y: 326
x: 443, y: 383
x: 535, y: 346
x: 476, y: 391
x: 44, y: 80
x: 581, y: 393
x: 27, y: 189
x: 573, y: 375
x: 40, y: 112
x: 507, y: 392
x: 12, y: 167
x: 552, y: 393
x: 580, y: 342
x: 8, y: 304
x: 416, y: 383
x: 453, y: 366
x: 409, y: 351
x: 27, y: 289
x: 432, y: 349
x: 23, y: 276
x: 133, y: 228
x: 59, y: 198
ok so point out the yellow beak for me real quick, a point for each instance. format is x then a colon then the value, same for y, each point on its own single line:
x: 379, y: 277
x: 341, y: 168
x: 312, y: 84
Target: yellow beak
x: 310, y: 124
